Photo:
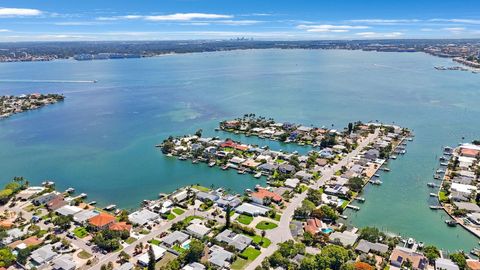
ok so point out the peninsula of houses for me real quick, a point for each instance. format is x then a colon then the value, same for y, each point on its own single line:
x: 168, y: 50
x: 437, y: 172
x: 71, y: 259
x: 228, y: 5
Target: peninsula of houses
x: 10, y: 105
x: 295, y: 222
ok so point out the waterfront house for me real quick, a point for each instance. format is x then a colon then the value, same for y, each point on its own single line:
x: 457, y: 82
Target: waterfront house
x: 202, y: 196
x: 120, y: 226
x: 467, y: 206
x: 231, y: 200
x: 372, y: 154
x: 268, y: 167
x: 473, y: 264
x: 179, y: 196
x: 337, y: 190
x: 250, y: 163
x: 286, y: 168
x: 56, y: 203
x: 83, y: 216
x: 239, y: 241
x: 219, y: 257
x: 101, y: 221
x: 445, y: 264
x: 262, y: 194
x: 43, y: 199
x: 252, y: 209
x: 68, y: 210
x: 474, y: 218
x: 175, y: 238
x: 469, y: 150
x: 400, y: 255
x: 142, y: 217
x: 346, y: 238
x: 158, y: 254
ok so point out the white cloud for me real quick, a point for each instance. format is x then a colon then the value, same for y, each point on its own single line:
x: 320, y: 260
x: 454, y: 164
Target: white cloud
x: 379, y: 35
x: 18, y: 12
x: 169, y: 17
x: 464, y: 21
x: 326, y: 28
x: 454, y: 29
x: 386, y: 21
x: 4, y: 30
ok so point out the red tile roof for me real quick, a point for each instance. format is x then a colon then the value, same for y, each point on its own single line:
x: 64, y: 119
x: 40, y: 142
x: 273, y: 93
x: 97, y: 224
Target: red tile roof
x: 473, y: 264
x: 120, y: 226
x: 263, y: 193
x: 101, y: 220
x: 312, y: 225
x: 469, y: 152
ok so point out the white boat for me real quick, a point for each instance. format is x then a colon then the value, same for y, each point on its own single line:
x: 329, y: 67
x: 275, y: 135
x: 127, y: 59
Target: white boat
x: 258, y: 175
x: 394, y: 157
x: 109, y: 207
x: 211, y: 164
x: 70, y: 190
x: 410, y: 241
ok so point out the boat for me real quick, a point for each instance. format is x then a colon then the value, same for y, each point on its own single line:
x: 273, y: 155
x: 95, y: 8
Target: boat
x: 92, y: 202
x: 241, y: 171
x: 436, y: 176
x: 385, y: 169
x: 169, y: 155
x: 211, y: 164
x: 70, y: 190
x: 376, y: 182
x: 258, y: 175
x: 475, y: 252
x: 182, y: 158
x: 451, y: 222
x: 442, y: 158
x: 436, y: 207
x: 433, y: 194
x: 410, y: 139
x: 421, y: 245
x: 440, y: 171
x: 225, y: 167
x: 194, y: 161
x: 376, y: 175
x: 432, y: 185
x: 360, y: 199
x: 393, y: 157
x: 410, y: 241
x: 82, y: 195
x: 110, y: 207
x: 444, y: 164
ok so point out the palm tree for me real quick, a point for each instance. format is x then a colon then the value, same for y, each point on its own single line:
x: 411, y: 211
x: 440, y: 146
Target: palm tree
x: 228, y: 210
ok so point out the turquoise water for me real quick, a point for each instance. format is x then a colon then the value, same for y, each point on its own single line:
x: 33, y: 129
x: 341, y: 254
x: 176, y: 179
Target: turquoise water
x: 101, y: 139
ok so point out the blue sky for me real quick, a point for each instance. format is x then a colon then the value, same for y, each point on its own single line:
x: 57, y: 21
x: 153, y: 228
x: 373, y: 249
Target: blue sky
x: 33, y: 20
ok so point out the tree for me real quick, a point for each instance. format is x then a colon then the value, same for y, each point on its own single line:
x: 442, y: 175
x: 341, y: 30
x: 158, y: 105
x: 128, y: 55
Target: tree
x: 362, y: 266
x: 308, y: 263
x: 371, y: 234
x: 151, y: 259
x: 350, y: 128
x: 228, y: 210
x: 6, y: 257
x: 5, y: 195
x: 23, y: 255
x: 314, y: 196
x: 123, y: 256
x: 459, y: 259
x: 332, y: 257
x: 63, y: 222
x: 355, y: 184
x: 432, y: 253
x: 194, y: 253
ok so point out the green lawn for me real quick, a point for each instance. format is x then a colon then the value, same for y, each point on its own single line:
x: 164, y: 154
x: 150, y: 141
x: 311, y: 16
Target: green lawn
x: 178, y: 211
x: 257, y: 239
x: 344, y: 204
x: 201, y: 188
x: 178, y: 249
x: 170, y: 216
x: 84, y: 255
x: 442, y: 196
x: 190, y: 218
x: 244, y: 219
x: 251, y: 253
x: 80, y: 232
x: 155, y: 242
x: 277, y: 217
x: 130, y: 240
x: 239, y: 264
x: 266, y: 225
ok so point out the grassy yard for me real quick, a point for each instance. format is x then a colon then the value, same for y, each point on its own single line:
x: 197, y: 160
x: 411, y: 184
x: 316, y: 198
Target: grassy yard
x: 442, y: 196
x: 239, y: 264
x: 155, y: 242
x: 84, y: 255
x: 178, y: 249
x: 201, y: 188
x: 190, y: 218
x: 130, y: 240
x: 266, y: 225
x: 251, y: 253
x: 178, y: 211
x: 277, y: 217
x: 344, y: 204
x: 166, y: 259
x: 244, y: 219
x: 80, y: 232
x: 170, y: 216
x: 257, y: 239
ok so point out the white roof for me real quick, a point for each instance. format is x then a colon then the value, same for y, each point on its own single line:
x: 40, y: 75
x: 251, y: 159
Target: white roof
x: 84, y: 215
x: 142, y: 217
x: 68, y: 210
x: 292, y: 182
x: 252, y: 209
x: 470, y: 146
x: 158, y: 251
x: 463, y: 188
x: 198, y: 229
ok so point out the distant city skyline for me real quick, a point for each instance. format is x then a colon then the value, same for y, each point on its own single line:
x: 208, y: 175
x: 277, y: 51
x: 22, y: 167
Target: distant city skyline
x: 87, y: 20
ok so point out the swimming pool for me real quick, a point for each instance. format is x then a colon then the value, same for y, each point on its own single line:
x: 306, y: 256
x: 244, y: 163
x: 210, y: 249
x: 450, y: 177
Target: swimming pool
x: 327, y: 230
